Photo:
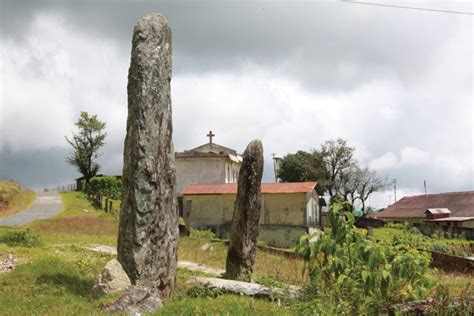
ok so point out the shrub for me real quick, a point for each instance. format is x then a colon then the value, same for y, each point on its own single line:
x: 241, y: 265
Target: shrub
x: 20, y: 238
x: 203, y: 234
x: 107, y: 185
x: 357, y: 275
x: 439, y: 247
x: 201, y: 291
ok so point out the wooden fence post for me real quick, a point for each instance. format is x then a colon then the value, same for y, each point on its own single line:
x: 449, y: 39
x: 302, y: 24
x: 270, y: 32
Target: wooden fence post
x: 106, y: 206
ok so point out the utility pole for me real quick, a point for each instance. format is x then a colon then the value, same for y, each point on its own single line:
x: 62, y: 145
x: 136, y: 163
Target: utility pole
x: 274, y: 167
x: 395, y: 190
x: 424, y: 184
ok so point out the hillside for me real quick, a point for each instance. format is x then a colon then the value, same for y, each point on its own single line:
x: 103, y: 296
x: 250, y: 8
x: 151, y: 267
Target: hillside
x: 13, y: 197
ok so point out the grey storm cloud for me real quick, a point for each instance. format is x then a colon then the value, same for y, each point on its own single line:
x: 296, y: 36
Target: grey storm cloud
x: 396, y: 83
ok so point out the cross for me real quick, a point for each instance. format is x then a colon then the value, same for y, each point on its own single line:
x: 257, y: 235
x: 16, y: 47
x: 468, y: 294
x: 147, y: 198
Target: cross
x: 210, y: 135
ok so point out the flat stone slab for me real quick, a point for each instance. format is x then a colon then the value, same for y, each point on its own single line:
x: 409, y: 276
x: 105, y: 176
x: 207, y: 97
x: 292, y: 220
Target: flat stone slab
x: 243, y: 288
x: 103, y: 248
x: 191, y: 266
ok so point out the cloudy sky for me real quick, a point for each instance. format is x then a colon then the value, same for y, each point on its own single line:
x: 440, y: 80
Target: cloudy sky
x: 396, y: 83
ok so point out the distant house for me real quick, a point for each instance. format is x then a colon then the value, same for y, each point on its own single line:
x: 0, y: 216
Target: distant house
x: 452, y: 212
x: 288, y: 211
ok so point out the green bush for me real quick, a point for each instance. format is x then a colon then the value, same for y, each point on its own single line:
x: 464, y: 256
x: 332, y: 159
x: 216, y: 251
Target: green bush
x: 439, y: 247
x: 359, y: 276
x: 202, y: 234
x: 108, y: 186
x: 20, y: 238
x: 196, y: 291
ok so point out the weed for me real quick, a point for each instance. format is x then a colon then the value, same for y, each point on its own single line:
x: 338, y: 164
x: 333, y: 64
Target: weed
x: 203, y: 234
x: 202, y: 292
x: 20, y: 238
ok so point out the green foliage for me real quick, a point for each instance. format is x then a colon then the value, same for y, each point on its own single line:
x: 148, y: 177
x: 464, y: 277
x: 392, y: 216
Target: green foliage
x: 203, y: 234
x: 301, y: 167
x: 444, y: 304
x: 86, y: 144
x: 268, y: 281
x: 358, y: 275
x: 202, y: 292
x: 335, y: 169
x: 20, y: 238
x: 109, y: 186
x: 438, y: 247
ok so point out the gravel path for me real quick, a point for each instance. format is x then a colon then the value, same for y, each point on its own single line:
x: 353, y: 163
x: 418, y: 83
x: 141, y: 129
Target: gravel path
x: 45, y: 206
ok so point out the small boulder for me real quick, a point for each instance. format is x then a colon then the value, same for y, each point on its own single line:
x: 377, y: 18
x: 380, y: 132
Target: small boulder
x: 206, y: 247
x: 136, y: 300
x: 111, y: 280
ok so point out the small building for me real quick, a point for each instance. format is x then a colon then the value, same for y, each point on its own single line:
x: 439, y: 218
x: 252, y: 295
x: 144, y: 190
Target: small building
x: 288, y: 211
x: 207, y: 164
x: 448, y: 212
x: 434, y: 213
x: 413, y: 209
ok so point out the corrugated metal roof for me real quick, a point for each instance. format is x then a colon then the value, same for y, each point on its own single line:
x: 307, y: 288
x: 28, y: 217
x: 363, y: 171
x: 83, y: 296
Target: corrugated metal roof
x: 438, y: 211
x: 450, y: 219
x: 460, y: 204
x: 231, y: 188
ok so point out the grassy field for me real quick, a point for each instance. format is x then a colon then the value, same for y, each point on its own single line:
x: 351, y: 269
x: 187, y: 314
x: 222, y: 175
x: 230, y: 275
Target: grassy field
x: 56, y: 276
x: 14, y: 198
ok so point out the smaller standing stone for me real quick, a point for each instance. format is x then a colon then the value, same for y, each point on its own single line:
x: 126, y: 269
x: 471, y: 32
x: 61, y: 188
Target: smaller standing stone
x: 111, y: 280
x: 244, y: 229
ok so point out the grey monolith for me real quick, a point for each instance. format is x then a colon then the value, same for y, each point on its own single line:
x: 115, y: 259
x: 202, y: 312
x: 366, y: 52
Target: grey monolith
x: 244, y: 229
x: 148, y: 231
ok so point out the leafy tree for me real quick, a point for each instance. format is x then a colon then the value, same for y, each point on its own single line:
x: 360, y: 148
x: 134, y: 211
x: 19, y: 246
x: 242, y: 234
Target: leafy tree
x: 340, y: 165
x: 86, y: 143
x: 302, y: 167
x: 335, y: 169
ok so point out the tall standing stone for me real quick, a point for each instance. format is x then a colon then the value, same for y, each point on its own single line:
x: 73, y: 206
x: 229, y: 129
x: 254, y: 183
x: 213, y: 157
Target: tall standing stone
x: 244, y: 230
x: 148, y: 232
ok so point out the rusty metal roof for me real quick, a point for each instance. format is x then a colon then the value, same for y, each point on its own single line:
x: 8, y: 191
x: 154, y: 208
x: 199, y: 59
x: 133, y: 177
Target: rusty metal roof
x: 231, y: 188
x: 461, y: 204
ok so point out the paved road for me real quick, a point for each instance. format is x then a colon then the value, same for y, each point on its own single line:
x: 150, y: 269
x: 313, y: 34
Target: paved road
x: 46, y: 205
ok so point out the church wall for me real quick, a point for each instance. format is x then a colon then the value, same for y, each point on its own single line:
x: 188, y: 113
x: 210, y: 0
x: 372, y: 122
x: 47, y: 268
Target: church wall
x: 196, y: 170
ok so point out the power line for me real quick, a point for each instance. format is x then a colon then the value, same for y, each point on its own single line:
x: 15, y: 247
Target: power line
x: 405, y: 7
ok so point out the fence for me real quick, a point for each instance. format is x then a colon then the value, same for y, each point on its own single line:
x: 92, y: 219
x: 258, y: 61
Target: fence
x: 102, y: 202
x: 64, y: 188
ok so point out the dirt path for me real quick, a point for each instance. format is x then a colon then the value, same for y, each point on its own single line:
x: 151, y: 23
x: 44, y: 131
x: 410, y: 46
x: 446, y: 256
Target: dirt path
x: 45, y: 206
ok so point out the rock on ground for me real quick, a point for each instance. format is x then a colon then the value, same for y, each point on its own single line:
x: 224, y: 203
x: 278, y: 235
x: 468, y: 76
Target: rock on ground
x: 103, y: 248
x: 191, y: 266
x: 112, y: 279
x: 244, y: 288
x: 7, y: 264
x: 136, y: 300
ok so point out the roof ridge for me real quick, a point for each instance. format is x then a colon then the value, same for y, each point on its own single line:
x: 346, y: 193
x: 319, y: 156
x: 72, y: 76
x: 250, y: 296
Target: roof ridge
x: 433, y: 194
